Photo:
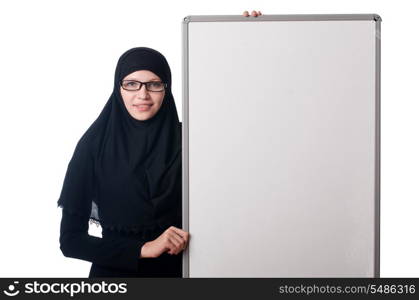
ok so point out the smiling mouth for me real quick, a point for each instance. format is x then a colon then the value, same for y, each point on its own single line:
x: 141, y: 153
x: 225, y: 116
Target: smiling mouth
x: 143, y: 107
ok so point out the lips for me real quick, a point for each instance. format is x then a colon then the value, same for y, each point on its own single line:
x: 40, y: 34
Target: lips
x: 143, y: 107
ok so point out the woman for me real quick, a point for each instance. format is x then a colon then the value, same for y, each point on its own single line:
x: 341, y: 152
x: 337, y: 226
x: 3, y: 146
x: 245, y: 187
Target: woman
x: 125, y: 173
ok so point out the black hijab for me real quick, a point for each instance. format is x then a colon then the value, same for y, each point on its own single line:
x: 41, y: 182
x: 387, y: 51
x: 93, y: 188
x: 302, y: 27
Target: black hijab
x: 126, y: 173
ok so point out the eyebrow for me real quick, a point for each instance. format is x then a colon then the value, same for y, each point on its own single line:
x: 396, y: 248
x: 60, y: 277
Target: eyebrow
x: 153, y: 79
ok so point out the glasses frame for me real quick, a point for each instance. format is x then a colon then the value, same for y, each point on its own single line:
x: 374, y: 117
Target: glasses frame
x: 141, y: 85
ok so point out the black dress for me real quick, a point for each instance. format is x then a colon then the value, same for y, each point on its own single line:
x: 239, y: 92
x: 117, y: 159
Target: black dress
x: 125, y: 174
x: 116, y: 254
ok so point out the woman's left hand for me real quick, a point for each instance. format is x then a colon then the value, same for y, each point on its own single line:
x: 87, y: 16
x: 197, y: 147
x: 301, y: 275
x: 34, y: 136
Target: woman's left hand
x: 254, y: 13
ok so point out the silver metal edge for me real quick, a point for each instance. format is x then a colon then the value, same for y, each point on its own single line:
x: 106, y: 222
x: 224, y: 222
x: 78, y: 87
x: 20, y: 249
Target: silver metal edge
x: 185, y: 144
x: 299, y: 17
x: 377, y: 143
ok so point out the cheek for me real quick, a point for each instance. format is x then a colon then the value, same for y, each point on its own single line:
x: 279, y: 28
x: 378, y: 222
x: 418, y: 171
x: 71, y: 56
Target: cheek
x: 127, y: 98
x: 159, y: 101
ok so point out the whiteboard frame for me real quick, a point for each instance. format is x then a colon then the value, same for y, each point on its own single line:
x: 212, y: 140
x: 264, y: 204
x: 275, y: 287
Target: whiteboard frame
x: 262, y: 18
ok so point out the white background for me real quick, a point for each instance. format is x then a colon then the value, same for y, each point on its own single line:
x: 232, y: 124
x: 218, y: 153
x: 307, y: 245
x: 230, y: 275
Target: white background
x: 57, y: 65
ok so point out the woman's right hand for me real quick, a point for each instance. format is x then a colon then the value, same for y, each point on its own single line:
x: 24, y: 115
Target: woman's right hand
x: 173, y: 240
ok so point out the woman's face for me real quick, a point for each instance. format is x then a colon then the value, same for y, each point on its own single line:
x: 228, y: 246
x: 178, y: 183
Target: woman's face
x: 142, y: 104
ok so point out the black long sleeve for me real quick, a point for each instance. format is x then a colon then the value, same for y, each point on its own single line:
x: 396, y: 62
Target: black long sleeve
x: 76, y: 202
x: 116, y: 252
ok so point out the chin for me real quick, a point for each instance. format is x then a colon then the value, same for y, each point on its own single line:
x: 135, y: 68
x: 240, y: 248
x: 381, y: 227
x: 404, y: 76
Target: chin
x: 143, y: 117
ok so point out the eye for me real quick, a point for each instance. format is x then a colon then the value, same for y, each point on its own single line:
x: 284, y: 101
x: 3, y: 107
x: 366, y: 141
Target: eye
x: 130, y: 84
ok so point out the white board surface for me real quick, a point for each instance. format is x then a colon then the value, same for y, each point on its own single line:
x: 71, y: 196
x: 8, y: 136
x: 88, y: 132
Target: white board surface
x: 281, y: 146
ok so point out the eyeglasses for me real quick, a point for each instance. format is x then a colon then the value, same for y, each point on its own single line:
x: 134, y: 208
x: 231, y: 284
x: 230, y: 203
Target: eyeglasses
x: 151, y: 86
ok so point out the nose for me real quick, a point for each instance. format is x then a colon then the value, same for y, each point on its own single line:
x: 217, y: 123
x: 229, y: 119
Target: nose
x: 143, y: 93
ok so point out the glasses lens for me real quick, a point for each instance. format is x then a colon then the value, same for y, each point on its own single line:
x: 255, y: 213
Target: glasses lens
x: 130, y: 85
x: 155, y: 86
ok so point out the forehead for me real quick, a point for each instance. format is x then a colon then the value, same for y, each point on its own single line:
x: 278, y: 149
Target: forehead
x: 142, y: 75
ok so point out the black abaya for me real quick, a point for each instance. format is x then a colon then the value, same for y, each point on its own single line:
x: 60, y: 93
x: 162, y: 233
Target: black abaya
x: 115, y: 254
x: 126, y: 175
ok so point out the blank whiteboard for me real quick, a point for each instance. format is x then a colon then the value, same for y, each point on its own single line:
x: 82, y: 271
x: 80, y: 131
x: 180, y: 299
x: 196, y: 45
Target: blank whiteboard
x: 281, y: 145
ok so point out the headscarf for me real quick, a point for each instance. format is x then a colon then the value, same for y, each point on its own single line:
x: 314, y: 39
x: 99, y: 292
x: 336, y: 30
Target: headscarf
x: 126, y: 173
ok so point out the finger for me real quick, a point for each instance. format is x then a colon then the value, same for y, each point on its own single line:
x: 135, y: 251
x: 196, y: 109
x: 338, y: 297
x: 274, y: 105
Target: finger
x: 172, y: 233
x: 178, y: 245
x: 172, y: 246
x: 182, y: 245
x: 180, y: 232
x: 184, y: 235
x: 183, y: 242
x: 180, y: 241
x: 174, y: 241
x: 176, y: 249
